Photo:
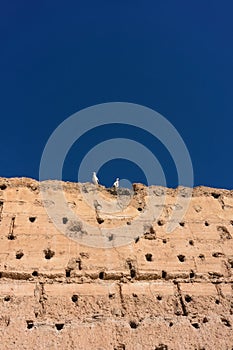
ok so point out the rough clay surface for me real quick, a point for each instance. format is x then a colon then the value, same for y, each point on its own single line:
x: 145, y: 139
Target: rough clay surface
x: 161, y: 291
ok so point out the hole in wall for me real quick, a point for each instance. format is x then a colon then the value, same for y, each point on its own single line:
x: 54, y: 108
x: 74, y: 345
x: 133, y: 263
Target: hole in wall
x: 205, y: 320
x: 19, y: 254
x: 192, y: 274
x: 7, y: 298
x: 164, y: 241
x: 226, y: 322
x: 48, y: 253
x: 187, y: 298
x: 59, y: 326
x: 181, y: 257
x: 151, y: 230
x: 133, y: 324
x: 11, y: 237
x: 207, y: 223
x: 139, y: 209
x: 67, y: 272
x: 191, y: 242
x: 195, y: 325
x: 101, y: 275
x: 99, y: 220
x: 215, y: 195
x: 30, y: 324
x: 149, y: 257
x: 131, y: 268
x: 79, y: 263
x: 74, y: 298
x: 164, y: 274
x: 35, y: 273
x: 161, y: 222
x: 217, y: 254
x: 217, y: 301
x: 159, y: 297
x: 136, y: 240
x: 32, y: 218
x: 182, y: 223
x: 64, y: 220
x: 132, y: 273
x: 3, y: 187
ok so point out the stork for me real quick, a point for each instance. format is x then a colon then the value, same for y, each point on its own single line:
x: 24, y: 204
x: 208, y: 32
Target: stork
x: 116, y: 183
x: 95, y: 179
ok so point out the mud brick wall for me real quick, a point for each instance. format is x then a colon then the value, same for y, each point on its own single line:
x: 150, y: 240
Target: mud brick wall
x: 160, y: 291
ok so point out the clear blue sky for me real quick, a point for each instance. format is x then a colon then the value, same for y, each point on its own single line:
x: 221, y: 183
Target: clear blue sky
x: 175, y: 57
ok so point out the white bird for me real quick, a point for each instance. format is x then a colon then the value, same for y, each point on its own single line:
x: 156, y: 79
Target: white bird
x: 95, y: 179
x: 116, y: 183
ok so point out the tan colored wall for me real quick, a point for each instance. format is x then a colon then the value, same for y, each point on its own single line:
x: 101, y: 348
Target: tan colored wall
x: 115, y: 298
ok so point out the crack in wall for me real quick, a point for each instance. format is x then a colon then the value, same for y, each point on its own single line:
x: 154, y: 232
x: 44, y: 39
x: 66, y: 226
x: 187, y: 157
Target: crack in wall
x: 11, y: 229
x: 1, y: 210
x: 122, y: 299
x: 182, y: 303
x: 111, y: 276
x: 42, y: 298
